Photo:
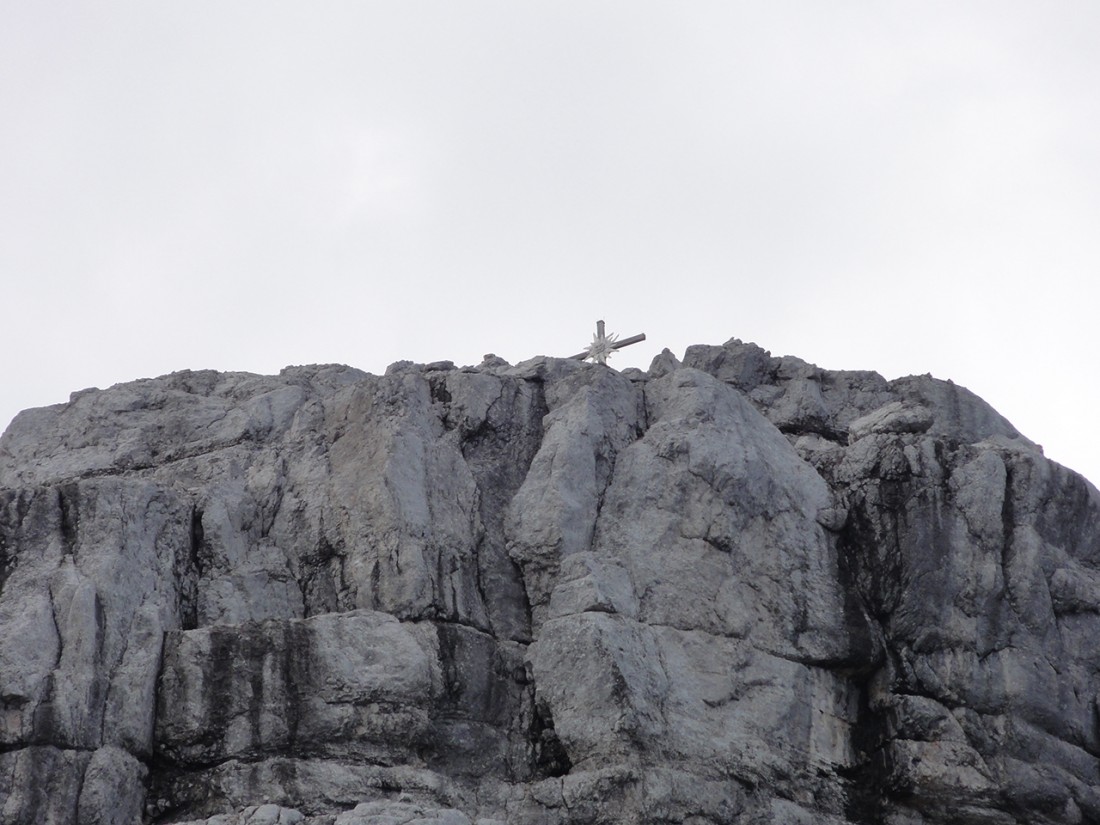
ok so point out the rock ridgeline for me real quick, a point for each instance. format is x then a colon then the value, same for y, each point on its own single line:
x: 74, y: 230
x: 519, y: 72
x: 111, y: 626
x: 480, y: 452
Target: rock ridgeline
x: 736, y: 589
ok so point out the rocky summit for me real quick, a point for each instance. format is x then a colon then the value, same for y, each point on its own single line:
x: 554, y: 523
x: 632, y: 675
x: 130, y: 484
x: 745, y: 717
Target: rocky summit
x: 736, y: 588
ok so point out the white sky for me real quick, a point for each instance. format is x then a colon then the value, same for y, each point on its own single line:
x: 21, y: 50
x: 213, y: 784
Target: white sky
x: 900, y: 186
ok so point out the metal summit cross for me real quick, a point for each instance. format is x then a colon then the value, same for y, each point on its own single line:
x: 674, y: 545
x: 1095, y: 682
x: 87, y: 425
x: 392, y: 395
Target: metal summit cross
x: 603, y: 345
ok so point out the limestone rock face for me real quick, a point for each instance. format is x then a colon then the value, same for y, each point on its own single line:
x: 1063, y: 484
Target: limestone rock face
x: 734, y: 589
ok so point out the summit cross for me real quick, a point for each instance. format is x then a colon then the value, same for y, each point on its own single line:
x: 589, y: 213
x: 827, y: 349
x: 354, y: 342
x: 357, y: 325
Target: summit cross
x: 603, y: 345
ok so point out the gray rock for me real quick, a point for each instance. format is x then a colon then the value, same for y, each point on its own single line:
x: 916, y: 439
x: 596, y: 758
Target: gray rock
x: 895, y: 417
x: 663, y: 363
x: 255, y: 815
x: 797, y: 397
x: 350, y: 683
x: 740, y: 588
x: 593, y: 415
x: 400, y: 813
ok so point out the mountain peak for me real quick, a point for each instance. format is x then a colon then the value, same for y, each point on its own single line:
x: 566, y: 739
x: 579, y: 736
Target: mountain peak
x: 734, y: 587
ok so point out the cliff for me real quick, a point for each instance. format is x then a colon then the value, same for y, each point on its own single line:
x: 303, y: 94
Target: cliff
x: 737, y: 589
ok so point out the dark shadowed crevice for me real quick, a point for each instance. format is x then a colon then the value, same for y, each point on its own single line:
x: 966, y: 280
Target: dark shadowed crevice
x: 1008, y: 533
x: 643, y: 422
x: 605, y: 469
x: 193, y: 567
x: 499, y: 452
x: 548, y: 756
x: 869, y: 562
x: 68, y: 502
x: 318, y: 577
x: 869, y: 572
x: 7, y: 561
x: 14, y: 508
x: 867, y: 778
x: 198, y: 541
x: 862, y: 624
x: 437, y: 385
x: 823, y: 429
x: 297, y: 680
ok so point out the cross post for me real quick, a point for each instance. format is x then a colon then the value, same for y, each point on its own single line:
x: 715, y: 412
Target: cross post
x: 603, y: 345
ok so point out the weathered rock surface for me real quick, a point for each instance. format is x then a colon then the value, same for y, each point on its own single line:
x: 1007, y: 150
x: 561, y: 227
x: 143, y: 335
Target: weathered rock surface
x: 734, y: 589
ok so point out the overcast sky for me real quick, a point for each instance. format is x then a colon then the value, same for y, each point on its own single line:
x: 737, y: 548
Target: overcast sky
x: 899, y: 186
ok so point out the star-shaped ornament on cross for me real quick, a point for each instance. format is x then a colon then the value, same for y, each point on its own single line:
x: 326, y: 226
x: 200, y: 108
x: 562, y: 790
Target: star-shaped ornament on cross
x: 604, y: 345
